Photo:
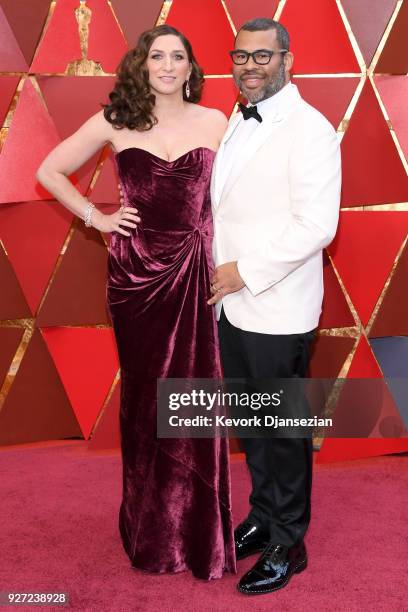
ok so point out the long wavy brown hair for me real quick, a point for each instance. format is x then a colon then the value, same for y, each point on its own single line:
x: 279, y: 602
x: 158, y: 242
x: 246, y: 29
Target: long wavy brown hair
x: 131, y: 101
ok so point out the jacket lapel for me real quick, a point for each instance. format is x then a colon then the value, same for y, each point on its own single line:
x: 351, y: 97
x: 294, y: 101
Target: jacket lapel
x: 289, y: 98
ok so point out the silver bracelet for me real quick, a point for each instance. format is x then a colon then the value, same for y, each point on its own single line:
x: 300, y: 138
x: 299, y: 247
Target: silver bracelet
x: 88, y: 214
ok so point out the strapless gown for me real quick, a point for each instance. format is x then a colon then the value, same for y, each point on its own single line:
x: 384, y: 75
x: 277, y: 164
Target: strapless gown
x: 175, y: 512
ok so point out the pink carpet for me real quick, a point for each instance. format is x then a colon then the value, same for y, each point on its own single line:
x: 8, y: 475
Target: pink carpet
x: 59, y: 533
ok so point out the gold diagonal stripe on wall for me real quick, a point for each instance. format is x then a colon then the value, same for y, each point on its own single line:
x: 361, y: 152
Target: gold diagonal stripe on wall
x: 385, y: 288
x: 45, y: 28
x: 380, y: 207
x: 16, y: 361
x: 279, y: 10
x: 233, y: 28
x: 353, y: 311
x: 105, y: 403
x: 164, y: 13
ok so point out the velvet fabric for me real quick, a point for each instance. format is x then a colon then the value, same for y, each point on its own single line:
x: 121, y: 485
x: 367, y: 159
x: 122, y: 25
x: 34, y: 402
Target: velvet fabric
x: 175, y: 512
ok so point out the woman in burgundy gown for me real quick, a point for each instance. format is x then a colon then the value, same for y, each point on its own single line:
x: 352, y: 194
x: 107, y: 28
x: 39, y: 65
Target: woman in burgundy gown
x: 175, y: 512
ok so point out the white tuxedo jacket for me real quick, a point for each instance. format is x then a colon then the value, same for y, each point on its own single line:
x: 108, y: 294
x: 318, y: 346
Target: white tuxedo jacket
x: 276, y: 211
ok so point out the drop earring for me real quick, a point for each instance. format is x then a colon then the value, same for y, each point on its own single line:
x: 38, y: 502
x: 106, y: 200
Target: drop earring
x: 187, y: 89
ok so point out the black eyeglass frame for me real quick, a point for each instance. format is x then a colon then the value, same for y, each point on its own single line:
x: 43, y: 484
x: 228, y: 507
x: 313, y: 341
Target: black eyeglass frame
x: 248, y: 55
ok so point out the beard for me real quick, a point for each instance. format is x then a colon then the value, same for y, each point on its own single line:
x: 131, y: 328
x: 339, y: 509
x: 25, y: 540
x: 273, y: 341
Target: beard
x: 275, y: 84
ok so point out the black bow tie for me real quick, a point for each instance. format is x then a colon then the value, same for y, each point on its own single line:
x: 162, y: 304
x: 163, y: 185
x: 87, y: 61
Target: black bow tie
x: 249, y: 111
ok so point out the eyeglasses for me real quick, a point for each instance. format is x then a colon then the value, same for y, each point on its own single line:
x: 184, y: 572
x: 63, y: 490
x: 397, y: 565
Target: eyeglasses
x: 260, y: 56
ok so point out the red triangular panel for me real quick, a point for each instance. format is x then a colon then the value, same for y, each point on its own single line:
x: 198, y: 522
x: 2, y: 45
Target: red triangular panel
x: 394, y: 94
x: 241, y: 11
x: 372, y: 169
x: 394, y: 58
x: 362, y: 265
x: 363, y: 365
x: 71, y: 101
x: 330, y: 96
x: 196, y: 20
x: 106, y: 42
x: 86, y: 360
x: 320, y: 42
x: 335, y: 310
x: 8, y: 86
x: 36, y: 406
x: 221, y: 94
x: 31, y: 137
x: 11, y: 56
x: 368, y: 20
x: 105, y: 190
x: 135, y: 17
x: 12, y: 304
x: 392, y: 316
x: 33, y: 234
x: 106, y: 433
x: 22, y: 13
x: 77, y: 295
x: 328, y: 356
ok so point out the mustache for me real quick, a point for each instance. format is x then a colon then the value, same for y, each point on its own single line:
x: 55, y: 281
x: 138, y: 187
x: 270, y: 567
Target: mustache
x: 245, y: 74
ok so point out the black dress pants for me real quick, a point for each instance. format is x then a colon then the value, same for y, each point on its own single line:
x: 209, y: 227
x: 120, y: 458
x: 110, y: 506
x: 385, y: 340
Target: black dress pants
x: 280, y: 468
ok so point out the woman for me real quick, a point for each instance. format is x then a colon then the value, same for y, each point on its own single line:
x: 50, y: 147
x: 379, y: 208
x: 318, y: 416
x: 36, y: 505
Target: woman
x: 175, y: 512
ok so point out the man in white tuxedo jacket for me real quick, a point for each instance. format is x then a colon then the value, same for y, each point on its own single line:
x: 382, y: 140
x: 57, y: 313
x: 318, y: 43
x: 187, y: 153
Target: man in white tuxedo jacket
x: 275, y: 193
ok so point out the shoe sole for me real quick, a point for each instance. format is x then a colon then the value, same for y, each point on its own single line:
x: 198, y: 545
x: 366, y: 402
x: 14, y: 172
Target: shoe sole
x: 299, y: 568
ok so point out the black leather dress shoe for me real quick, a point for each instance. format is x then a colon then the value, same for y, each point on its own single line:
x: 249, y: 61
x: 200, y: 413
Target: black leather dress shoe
x: 274, y: 569
x: 249, y: 539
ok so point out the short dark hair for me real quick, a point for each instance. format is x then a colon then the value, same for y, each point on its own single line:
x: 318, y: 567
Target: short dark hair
x: 264, y: 23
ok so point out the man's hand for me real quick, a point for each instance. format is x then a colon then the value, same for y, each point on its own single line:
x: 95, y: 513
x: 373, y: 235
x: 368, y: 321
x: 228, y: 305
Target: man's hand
x: 226, y: 280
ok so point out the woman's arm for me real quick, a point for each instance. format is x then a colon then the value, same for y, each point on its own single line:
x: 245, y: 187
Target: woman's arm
x: 70, y: 155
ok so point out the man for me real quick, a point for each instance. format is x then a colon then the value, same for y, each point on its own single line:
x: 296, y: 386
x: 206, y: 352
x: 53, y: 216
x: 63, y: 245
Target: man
x: 275, y: 192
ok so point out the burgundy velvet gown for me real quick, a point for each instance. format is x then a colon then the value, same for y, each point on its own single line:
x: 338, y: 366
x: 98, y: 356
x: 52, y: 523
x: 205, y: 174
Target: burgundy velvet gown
x: 175, y: 512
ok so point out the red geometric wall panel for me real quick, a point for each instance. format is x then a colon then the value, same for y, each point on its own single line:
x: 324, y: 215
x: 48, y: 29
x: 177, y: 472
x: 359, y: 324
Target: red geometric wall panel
x: 13, y: 304
x: 362, y: 264
x: 394, y: 94
x: 136, y: 16
x: 11, y: 56
x: 106, y: 43
x: 372, y: 169
x: 8, y: 86
x: 19, y: 14
x: 394, y: 58
x: 368, y: 20
x: 241, y: 11
x: 77, y: 295
x: 392, y: 316
x: 329, y: 355
x: 106, y: 433
x: 363, y: 365
x: 31, y: 137
x: 105, y: 190
x: 221, y: 94
x: 86, y: 361
x: 320, y: 44
x: 330, y: 96
x: 36, y: 406
x: 33, y: 234
x: 70, y: 102
x: 196, y: 20
x: 335, y: 310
